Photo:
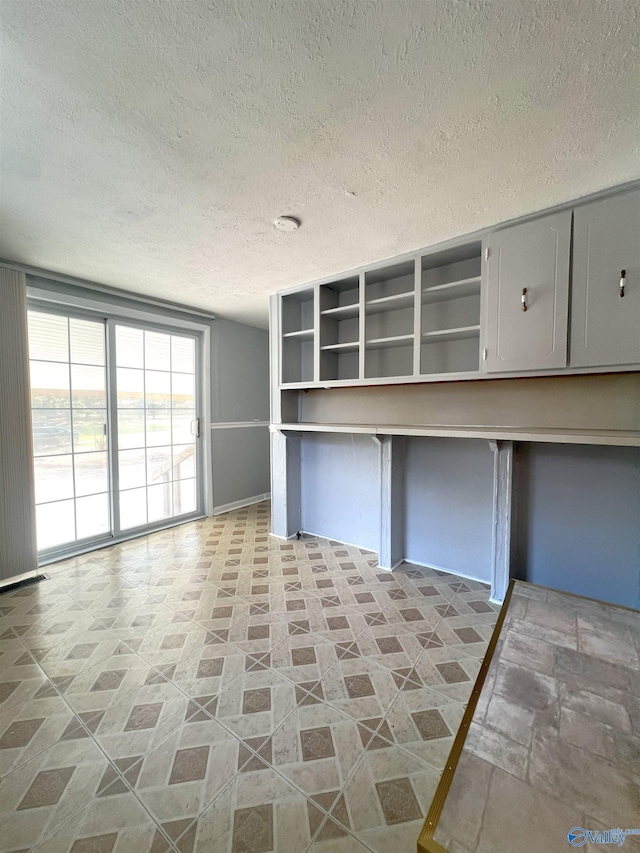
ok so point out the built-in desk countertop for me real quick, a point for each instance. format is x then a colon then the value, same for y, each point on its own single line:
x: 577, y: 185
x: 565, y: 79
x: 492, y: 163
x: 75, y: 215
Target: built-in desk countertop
x: 550, y: 741
x: 621, y: 438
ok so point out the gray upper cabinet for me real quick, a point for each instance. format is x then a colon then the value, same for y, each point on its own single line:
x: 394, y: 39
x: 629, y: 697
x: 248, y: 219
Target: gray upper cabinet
x: 605, y: 325
x: 527, y: 276
x: 542, y: 295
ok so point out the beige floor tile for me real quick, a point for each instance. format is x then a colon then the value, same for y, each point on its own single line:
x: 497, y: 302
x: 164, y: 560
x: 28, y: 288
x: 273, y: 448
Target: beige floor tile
x: 47, y: 790
x: 142, y: 720
x: 386, y: 799
x: 32, y: 727
x: 316, y: 747
x: 359, y: 688
x: 185, y: 772
x: 257, y: 812
x: 210, y: 687
x: 115, y: 824
x: 424, y: 724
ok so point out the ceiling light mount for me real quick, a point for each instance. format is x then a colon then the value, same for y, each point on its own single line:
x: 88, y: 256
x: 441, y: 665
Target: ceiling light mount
x: 287, y: 223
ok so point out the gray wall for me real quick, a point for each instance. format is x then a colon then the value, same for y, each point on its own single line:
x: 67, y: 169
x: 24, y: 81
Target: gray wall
x: 239, y: 394
x: 240, y: 464
x: 239, y: 372
x: 449, y: 504
x: 608, y: 401
x: 577, y: 523
x: 340, y: 485
x: 17, y: 496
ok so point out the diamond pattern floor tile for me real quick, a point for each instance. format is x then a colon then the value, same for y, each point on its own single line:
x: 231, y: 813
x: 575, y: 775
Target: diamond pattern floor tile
x: 210, y: 687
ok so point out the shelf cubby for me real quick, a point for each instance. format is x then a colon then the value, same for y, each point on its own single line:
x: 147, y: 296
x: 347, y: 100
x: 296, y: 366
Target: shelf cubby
x: 297, y: 328
x: 389, y: 320
x: 459, y: 355
x: 297, y: 360
x: 450, y: 310
x: 339, y: 329
x: 297, y: 312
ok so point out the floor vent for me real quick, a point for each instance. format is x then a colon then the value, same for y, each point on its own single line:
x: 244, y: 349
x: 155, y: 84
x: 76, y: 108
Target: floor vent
x: 10, y: 587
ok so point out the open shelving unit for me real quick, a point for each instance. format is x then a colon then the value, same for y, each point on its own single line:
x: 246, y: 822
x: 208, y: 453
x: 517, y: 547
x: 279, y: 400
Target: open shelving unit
x: 411, y: 318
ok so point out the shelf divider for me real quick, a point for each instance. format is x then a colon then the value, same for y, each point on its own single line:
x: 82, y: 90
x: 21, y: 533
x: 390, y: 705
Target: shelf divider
x: 342, y: 311
x: 300, y: 335
x: 348, y: 346
x: 390, y: 303
x: 451, y: 290
x: 393, y: 341
x: 451, y: 334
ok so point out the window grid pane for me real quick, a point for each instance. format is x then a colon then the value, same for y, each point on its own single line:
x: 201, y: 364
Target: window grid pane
x: 156, y: 413
x: 68, y: 375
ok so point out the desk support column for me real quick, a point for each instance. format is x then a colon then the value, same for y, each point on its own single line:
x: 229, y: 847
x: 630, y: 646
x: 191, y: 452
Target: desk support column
x: 286, y: 518
x: 501, y: 533
x: 391, y: 500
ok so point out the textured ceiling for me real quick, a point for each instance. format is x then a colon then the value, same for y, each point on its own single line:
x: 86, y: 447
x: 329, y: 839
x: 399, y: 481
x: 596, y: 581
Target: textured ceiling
x: 150, y: 144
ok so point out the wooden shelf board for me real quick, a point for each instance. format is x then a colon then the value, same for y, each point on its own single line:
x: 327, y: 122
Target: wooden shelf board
x: 451, y: 290
x: 342, y: 312
x: 389, y: 303
x: 350, y: 346
x: 451, y: 334
x: 301, y: 335
x: 624, y: 438
x: 386, y: 343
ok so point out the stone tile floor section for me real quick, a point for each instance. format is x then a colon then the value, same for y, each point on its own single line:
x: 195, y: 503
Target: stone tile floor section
x: 211, y: 688
x: 555, y: 737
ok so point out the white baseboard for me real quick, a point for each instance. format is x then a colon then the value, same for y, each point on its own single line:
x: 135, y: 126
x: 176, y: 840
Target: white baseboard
x: 447, y: 570
x: 256, y: 499
x: 17, y: 578
x: 392, y: 568
x: 341, y: 541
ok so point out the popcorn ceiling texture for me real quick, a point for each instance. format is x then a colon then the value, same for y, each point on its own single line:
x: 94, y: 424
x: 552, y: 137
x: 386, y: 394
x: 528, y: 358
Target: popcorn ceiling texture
x: 150, y: 145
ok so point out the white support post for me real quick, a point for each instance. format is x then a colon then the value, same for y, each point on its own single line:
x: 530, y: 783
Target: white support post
x: 391, y: 552
x: 502, y: 504
x: 286, y: 519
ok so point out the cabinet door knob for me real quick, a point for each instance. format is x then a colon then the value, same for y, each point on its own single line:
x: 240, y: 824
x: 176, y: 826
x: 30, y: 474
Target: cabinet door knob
x: 623, y: 281
x: 524, y: 298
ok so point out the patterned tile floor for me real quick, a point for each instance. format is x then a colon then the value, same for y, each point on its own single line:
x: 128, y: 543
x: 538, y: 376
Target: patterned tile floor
x: 211, y: 688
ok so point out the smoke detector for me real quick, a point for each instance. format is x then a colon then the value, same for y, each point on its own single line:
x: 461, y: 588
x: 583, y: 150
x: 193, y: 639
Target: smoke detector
x: 287, y: 223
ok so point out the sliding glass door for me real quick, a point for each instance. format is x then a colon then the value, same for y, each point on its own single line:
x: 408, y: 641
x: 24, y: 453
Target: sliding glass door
x: 157, y: 425
x: 115, y: 428
x: 69, y: 414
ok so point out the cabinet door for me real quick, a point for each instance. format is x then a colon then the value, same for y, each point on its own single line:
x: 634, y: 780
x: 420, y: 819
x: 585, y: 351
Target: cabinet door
x: 534, y: 257
x: 605, y: 327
